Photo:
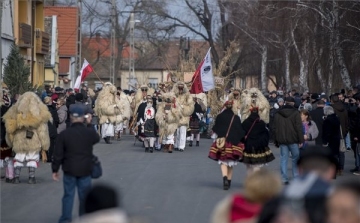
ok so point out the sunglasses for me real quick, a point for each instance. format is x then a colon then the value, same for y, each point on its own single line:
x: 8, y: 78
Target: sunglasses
x: 144, y: 89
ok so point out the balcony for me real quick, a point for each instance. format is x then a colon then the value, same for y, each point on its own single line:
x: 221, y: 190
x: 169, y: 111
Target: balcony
x: 42, y: 42
x: 24, y: 35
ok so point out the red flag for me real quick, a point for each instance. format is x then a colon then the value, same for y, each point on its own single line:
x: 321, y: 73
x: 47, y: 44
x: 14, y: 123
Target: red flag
x: 86, y: 69
x: 196, y: 87
x: 203, y: 79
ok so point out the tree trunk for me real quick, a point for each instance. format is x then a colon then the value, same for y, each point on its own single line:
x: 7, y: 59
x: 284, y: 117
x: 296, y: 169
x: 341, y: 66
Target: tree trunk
x: 304, y: 66
x: 344, y: 72
x: 264, y: 82
x: 287, y: 68
x: 331, y: 64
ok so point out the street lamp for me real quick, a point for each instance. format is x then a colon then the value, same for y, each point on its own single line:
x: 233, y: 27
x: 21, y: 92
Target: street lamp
x: 132, y: 49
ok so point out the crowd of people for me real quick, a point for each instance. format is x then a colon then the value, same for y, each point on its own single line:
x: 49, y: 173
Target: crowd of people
x: 313, y: 130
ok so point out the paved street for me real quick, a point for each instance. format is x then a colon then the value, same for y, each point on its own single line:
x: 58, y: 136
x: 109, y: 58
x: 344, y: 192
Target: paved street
x: 155, y: 188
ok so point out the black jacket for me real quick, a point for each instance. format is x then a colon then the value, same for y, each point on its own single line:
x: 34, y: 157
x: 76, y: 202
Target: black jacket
x: 74, y: 150
x: 197, y: 109
x: 222, y: 123
x: 317, y: 116
x: 55, y: 123
x: 258, y: 138
x: 288, y: 126
x: 342, y: 114
x: 331, y: 133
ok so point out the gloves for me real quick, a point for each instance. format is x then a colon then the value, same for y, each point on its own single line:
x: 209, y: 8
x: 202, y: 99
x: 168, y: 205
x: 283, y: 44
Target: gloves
x: 276, y: 106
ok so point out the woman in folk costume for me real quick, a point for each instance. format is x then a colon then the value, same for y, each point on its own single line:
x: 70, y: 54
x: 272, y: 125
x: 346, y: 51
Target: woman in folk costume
x: 227, y: 149
x: 27, y: 132
x: 186, y: 103
x: 256, y: 152
x: 149, y: 126
x: 110, y: 111
x: 139, y: 104
x: 195, y: 122
x: 6, y: 156
x: 167, y: 117
x: 235, y: 96
x: 254, y: 98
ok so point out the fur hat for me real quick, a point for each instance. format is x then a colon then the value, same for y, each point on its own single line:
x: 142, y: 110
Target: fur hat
x: 79, y: 97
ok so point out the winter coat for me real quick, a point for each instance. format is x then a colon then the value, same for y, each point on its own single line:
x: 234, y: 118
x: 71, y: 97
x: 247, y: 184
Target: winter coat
x: 342, y: 114
x: 312, y: 133
x: 222, y: 124
x: 74, y: 150
x: 63, y: 114
x: 288, y: 126
x: 331, y: 133
x: 317, y: 116
x: 52, y: 126
x: 28, y: 114
x: 355, y: 124
x: 197, y: 109
x: 258, y: 136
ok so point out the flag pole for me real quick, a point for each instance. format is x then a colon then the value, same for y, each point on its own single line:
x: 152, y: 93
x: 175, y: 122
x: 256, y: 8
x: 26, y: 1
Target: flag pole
x: 97, y: 76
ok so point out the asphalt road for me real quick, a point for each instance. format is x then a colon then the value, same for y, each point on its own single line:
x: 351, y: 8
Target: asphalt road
x: 154, y: 188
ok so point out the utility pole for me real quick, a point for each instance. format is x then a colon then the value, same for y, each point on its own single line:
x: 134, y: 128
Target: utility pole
x: 112, y: 42
x: 132, y: 48
x: 78, y: 42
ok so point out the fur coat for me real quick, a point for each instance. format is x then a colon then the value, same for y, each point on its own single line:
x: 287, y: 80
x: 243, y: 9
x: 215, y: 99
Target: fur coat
x: 185, y: 102
x: 168, y: 120
x: 202, y: 100
x: 29, y: 113
x: 138, y: 99
x: 109, y: 108
x: 237, y: 103
x: 254, y: 98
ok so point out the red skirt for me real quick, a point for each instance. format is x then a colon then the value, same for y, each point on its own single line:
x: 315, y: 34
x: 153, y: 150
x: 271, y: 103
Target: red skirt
x: 229, y: 152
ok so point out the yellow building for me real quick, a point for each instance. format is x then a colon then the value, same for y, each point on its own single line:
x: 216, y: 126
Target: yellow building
x: 30, y: 36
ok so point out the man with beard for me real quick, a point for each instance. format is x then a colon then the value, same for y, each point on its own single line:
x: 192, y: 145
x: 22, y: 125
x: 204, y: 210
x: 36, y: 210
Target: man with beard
x: 148, y: 126
x: 186, y: 103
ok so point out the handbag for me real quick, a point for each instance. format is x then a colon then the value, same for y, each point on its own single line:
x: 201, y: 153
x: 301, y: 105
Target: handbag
x: 342, y: 142
x: 97, y: 169
x: 220, y: 142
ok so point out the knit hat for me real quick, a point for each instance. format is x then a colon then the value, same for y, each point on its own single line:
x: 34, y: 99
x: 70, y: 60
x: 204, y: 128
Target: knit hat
x: 280, y: 100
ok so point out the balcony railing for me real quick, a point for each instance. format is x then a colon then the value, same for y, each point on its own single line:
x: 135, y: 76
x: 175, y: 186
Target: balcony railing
x: 42, y: 42
x: 24, y: 35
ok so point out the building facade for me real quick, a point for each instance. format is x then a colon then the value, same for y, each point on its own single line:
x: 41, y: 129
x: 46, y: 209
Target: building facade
x: 31, y: 37
x: 7, y: 31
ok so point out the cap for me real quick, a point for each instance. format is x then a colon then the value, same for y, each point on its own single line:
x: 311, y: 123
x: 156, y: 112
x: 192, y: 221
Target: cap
x: 69, y: 90
x: 280, y: 100
x: 77, y: 110
x: 273, y: 92
x: 290, y: 99
x: 316, y: 152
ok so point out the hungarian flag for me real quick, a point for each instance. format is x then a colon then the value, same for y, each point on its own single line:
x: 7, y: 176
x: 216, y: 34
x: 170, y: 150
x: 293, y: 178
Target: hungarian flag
x: 203, y: 78
x: 86, y: 69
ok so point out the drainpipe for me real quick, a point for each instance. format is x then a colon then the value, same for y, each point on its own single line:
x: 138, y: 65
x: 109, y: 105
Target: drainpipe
x: 33, y: 11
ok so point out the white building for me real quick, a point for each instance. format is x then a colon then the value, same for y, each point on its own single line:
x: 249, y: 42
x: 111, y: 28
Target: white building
x: 7, y: 31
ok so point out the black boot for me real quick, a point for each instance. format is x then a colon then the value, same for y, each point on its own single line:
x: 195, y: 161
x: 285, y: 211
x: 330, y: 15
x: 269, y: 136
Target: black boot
x: 32, y: 180
x: 197, y: 143
x: 229, y: 183
x: 190, y: 144
x: 146, y: 149
x: 16, y: 180
x: 107, y: 140
x: 225, y: 183
x: 151, y: 149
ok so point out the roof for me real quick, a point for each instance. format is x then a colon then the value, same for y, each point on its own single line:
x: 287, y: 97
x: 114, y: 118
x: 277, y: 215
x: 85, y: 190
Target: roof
x: 67, y: 35
x: 101, y: 45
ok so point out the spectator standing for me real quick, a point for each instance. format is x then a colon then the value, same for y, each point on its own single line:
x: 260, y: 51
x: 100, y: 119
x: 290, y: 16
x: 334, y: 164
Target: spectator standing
x: 311, y: 131
x: 342, y: 114
x: 52, y: 126
x: 70, y: 99
x: 355, y: 135
x: 62, y: 112
x: 317, y: 115
x: 273, y: 108
x: 74, y: 152
x: 331, y: 133
x: 289, y: 136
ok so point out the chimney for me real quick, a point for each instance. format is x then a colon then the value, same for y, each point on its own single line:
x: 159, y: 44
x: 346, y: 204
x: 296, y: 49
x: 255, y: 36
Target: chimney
x: 97, y: 37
